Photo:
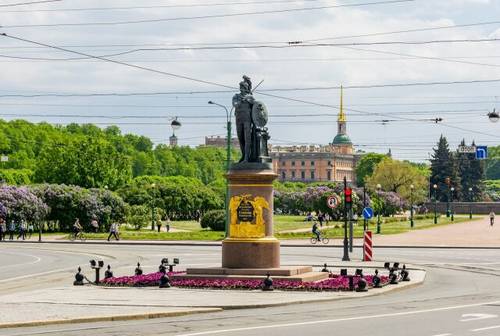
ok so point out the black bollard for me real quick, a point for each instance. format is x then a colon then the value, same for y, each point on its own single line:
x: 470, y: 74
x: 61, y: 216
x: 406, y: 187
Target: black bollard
x: 393, y: 279
x: 376, y: 280
x: 109, y: 273
x: 268, y: 283
x: 404, y: 274
x: 325, y: 269
x: 359, y: 272
x: 387, y: 265
x: 351, y: 282
x: 362, y: 284
x: 343, y: 272
x: 78, y: 278
x: 138, y: 269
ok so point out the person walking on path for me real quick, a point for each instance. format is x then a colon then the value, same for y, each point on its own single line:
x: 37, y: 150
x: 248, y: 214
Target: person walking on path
x: 22, y: 230
x: 3, y: 229
x: 320, y: 219
x: 113, y: 231
x: 95, y: 224
x: 12, y: 229
x: 492, y: 218
x: 31, y: 229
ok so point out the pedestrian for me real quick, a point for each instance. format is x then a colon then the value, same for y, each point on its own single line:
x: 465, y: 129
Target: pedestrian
x: 113, y: 231
x: 2, y: 229
x: 12, y: 229
x: 320, y: 219
x: 22, y: 230
x: 31, y: 229
x: 492, y: 218
x: 167, y: 224
x: 95, y: 224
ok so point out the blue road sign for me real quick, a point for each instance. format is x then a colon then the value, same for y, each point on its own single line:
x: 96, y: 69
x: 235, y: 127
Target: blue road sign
x: 367, y: 213
x: 481, y: 152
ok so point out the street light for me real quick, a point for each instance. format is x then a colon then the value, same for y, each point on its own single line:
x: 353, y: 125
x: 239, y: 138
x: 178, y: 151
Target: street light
x: 175, y: 124
x: 153, y: 201
x: 379, y: 187
x: 452, y: 189
x: 435, y: 203
x: 228, y: 158
x: 411, y: 205
x: 493, y: 116
x: 470, y: 202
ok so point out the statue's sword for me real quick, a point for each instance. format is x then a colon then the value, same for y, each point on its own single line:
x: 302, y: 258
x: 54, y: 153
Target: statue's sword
x: 255, y: 88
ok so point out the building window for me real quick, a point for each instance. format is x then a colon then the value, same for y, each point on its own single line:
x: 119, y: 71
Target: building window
x: 329, y: 163
x: 283, y: 175
x: 312, y: 163
x: 303, y: 163
x: 293, y: 174
x: 312, y: 174
x: 283, y: 163
x: 303, y: 175
x: 293, y: 163
x: 329, y: 175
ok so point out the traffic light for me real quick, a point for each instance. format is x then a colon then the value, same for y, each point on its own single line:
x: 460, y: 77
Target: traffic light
x: 348, y: 196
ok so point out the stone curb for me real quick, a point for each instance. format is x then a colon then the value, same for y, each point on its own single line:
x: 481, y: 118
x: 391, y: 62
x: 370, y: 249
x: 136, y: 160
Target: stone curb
x: 206, y: 309
x: 125, y: 317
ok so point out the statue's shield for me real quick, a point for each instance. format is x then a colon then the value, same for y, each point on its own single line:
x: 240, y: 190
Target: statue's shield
x: 259, y: 114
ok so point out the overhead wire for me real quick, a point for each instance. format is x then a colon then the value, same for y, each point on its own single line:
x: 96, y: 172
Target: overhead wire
x: 203, y: 17
x: 28, y: 3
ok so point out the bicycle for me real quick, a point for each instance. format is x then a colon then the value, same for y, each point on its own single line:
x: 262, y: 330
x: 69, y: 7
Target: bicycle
x: 324, y: 240
x: 76, y: 236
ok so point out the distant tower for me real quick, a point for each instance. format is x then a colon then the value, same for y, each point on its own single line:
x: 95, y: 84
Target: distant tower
x: 341, y: 140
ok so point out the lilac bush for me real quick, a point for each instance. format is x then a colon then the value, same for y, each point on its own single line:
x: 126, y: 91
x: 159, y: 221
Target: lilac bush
x: 21, y: 204
x: 3, y: 211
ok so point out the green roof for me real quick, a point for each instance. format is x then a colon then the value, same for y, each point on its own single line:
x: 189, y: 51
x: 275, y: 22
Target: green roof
x: 341, y: 139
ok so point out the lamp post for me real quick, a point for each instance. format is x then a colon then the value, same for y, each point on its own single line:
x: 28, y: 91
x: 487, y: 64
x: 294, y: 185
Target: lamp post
x: 435, y: 203
x: 493, y: 116
x: 153, y: 201
x: 379, y: 187
x: 470, y: 202
x: 346, y: 243
x: 228, y: 159
x: 175, y: 124
x: 411, y: 205
x: 452, y: 189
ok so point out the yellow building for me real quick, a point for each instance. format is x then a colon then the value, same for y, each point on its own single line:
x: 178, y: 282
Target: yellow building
x: 327, y: 163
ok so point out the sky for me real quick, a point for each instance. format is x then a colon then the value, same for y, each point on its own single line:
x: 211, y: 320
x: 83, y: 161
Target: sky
x: 200, y: 49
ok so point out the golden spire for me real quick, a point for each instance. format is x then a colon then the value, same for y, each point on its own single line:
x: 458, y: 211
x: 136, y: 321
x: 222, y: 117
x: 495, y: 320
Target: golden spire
x: 342, y: 117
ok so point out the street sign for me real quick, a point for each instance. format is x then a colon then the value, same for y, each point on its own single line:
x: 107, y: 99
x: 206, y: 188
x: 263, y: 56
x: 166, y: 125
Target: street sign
x: 332, y: 202
x: 4, y: 158
x: 481, y: 152
x: 467, y: 149
x: 367, y: 213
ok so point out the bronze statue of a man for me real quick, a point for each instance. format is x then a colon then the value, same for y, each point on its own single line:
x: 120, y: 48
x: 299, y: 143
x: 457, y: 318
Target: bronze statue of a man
x: 243, y: 104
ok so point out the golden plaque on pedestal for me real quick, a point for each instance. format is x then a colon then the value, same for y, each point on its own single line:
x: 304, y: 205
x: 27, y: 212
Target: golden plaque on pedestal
x: 247, y: 216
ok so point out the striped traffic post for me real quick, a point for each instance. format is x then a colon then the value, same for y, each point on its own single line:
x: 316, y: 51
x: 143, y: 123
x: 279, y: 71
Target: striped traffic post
x: 368, y: 246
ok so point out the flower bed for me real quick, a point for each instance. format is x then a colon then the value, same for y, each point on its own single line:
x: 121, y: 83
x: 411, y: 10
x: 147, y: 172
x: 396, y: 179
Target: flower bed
x: 335, y: 283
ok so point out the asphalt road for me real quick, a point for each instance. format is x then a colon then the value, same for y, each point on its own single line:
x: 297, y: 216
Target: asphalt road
x: 461, y: 295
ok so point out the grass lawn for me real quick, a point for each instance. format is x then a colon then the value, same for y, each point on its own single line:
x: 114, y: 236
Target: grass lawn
x: 281, y: 223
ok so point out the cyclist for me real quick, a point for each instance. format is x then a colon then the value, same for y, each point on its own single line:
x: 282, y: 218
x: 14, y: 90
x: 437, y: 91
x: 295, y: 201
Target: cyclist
x: 316, y: 231
x: 77, y: 228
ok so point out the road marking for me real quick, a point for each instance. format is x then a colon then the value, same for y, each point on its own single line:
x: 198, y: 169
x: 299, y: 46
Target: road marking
x: 442, y: 335
x: 486, y: 328
x: 476, y: 317
x: 356, y: 318
x: 37, y: 259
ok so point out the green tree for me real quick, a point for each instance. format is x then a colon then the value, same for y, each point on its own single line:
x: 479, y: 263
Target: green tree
x: 398, y: 176
x: 444, y: 172
x: 366, y: 165
x: 492, y: 169
x: 471, y: 173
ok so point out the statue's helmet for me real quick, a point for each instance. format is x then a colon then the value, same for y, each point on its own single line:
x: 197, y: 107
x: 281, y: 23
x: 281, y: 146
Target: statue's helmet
x: 244, y: 87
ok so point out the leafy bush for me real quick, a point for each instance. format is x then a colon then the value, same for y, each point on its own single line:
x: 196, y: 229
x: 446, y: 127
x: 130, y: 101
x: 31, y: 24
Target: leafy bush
x: 21, y: 204
x: 16, y: 176
x: 214, y: 219
x: 137, y: 215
